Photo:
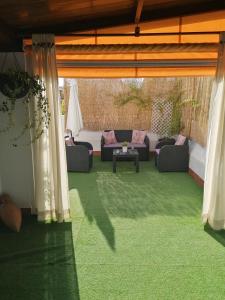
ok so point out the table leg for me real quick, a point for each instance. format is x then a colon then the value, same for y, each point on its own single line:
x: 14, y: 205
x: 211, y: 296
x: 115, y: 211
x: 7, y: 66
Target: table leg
x: 137, y: 164
x: 114, y: 164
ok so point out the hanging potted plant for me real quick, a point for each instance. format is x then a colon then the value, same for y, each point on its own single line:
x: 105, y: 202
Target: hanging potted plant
x: 19, y: 85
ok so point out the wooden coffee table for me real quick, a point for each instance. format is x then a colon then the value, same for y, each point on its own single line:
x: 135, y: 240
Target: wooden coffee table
x: 131, y: 154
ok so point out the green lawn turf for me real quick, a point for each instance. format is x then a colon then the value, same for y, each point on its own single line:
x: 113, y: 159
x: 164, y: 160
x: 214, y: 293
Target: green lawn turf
x: 133, y: 236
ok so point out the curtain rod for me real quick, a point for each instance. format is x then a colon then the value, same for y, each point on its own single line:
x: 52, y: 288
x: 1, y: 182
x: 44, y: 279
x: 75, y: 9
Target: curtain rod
x: 127, y: 34
x: 127, y: 48
x: 143, y: 64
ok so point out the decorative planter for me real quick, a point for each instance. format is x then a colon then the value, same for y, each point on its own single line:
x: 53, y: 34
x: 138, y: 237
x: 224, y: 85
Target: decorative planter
x: 14, y: 85
x: 124, y: 149
x: 11, y: 84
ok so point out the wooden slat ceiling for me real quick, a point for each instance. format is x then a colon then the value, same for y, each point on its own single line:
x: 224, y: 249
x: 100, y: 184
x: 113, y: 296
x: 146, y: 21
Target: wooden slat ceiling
x: 22, y: 18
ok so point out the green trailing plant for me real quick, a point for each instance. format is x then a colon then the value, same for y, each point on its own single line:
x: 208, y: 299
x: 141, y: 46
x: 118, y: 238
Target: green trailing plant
x: 133, y: 94
x: 30, y: 90
x: 62, y: 102
x: 178, y: 102
x: 175, y: 99
x: 63, y: 108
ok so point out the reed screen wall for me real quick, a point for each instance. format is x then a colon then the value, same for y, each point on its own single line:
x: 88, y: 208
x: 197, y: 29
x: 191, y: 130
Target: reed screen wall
x: 100, y: 111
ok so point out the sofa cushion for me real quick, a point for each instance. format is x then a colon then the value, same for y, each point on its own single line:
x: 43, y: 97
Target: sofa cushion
x: 109, y: 137
x: 130, y: 145
x: 138, y: 136
x: 116, y: 145
x: 123, y: 135
x: 180, y: 140
x: 69, y: 141
x: 157, y: 151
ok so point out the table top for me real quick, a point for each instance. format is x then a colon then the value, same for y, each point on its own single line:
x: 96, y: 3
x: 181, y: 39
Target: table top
x: 130, y: 152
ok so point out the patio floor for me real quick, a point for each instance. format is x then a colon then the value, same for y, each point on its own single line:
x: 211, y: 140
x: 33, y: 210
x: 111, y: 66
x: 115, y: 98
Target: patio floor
x: 140, y: 236
x: 135, y: 236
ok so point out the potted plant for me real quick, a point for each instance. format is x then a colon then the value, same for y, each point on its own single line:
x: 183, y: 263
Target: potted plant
x: 124, y: 146
x: 29, y: 90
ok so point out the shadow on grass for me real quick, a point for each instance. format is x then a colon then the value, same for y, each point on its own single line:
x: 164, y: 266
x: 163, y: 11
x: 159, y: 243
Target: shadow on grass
x: 95, y: 211
x: 127, y: 194
x: 93, y: 207
x: 38, y: 263
x: 218, y: 235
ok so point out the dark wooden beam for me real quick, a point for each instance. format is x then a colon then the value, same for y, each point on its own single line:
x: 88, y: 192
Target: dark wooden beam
x: 182, y: 10
x: 16, y: 46
x: 116, y: 20
x: 138, y: 11
x: 9, y: 41
x: 80, y: 26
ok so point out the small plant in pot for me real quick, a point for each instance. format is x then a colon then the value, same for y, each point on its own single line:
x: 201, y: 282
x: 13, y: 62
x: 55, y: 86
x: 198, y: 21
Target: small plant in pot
x: 124, y: 146
x: 18, y: 86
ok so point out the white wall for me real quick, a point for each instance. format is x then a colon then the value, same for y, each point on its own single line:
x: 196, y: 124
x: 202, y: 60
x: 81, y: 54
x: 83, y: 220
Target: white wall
x: 197, y: 159
x: 16, y: 175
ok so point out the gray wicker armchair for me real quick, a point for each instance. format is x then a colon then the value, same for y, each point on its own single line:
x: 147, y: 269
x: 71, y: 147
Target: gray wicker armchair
x: 170, y: 157
x: 79, y: 157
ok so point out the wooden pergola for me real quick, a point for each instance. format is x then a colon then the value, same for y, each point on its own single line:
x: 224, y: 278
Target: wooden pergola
x: 116, y: 38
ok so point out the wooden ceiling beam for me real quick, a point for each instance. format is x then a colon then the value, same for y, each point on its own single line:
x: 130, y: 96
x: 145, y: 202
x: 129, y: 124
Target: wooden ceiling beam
x: 140, y: 4
x: 76, y: 26
x: 124, y: 19
x: 182, y: 10
x: 9, y: 39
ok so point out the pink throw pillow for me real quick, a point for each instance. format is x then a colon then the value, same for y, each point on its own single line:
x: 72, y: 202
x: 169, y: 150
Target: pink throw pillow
x: 180, y: 140
x: 109, y: 137
x: 69, y: 141
x: 138, y: 136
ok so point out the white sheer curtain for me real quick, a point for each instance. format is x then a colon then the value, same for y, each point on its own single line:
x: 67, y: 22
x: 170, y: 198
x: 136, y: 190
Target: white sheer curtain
x: 74, y: 122
x: 214, y: 188
x: 49, y: 160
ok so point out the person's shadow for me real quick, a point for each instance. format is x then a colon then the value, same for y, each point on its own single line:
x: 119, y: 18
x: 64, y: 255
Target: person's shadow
x: 93, y: 207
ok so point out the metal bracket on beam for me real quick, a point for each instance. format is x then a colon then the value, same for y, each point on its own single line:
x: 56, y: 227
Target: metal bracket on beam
x: 137, y: 31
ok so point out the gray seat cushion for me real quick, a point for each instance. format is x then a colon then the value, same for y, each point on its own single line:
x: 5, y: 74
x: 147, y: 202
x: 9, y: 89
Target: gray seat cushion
x: 137, y: 145
x: 119, y: 145
x: 113, y: 145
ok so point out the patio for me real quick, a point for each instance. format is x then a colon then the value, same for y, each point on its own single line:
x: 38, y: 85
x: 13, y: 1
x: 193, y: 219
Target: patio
x: 146, y: 77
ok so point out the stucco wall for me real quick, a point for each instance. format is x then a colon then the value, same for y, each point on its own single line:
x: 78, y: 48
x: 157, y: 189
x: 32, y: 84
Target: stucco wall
x: 16, y: 175
x: 197, y: 159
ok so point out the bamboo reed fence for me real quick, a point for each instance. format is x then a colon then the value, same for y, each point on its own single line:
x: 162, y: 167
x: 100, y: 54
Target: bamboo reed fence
x: 99, y: 111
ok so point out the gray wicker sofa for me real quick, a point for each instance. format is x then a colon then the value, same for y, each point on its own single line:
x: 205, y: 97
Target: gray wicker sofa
x: 122, y: 136
x: 170, y: 157
x: 79, y: 156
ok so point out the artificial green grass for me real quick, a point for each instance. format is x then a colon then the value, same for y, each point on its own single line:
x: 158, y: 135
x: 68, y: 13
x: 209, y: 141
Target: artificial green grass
x: 135, y: 236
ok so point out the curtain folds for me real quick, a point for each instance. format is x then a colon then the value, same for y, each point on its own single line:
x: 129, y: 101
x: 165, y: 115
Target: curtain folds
x: 214, y: 188
x: 74, y: 121
x: 49, y: 161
